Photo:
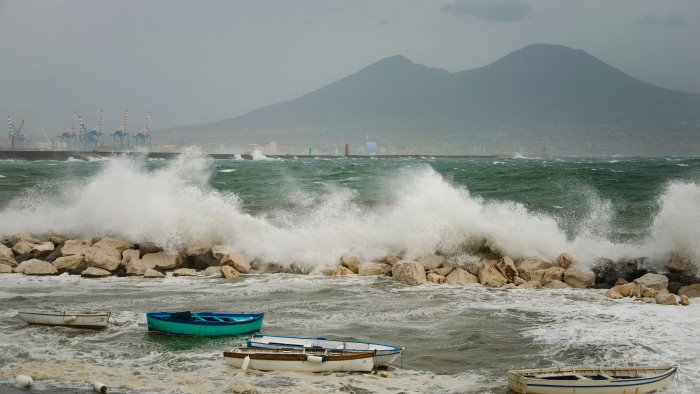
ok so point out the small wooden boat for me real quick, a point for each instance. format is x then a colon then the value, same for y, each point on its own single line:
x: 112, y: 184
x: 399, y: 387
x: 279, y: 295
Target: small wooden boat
x: 208, y: 324
x: 592, y: 380
x: 386, y: 354
x: 300, y: 360
x: 92, y: 320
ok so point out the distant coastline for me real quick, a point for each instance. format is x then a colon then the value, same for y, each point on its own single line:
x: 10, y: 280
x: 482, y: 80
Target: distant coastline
x: 33, y: 155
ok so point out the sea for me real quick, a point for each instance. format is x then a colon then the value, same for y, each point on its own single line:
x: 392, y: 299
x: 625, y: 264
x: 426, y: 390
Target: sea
x: 305, y: 213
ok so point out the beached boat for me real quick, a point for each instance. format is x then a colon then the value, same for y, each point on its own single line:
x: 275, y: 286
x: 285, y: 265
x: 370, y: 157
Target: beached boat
x: 208, y: 324
x: 92, y: 320
x: 592, y: 380
x: 386, y: 354
x: 300, y: 360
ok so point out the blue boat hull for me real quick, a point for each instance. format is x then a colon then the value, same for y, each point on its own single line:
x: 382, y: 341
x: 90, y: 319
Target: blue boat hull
x: 206, y: 324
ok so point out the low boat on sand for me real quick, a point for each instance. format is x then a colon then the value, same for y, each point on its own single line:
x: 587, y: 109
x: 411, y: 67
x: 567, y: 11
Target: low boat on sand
x: 92, y: 320
x: 300, y: 360
x: 208, y: 324
x: 386, y: 354
x: 592, y: 380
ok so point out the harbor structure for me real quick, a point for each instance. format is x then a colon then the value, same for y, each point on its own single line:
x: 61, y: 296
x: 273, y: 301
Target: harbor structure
x: 122, y: 134
x: 69, y: 138
x: 143, y: 137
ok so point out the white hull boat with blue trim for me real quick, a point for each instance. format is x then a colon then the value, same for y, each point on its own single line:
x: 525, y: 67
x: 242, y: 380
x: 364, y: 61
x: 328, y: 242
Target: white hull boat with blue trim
x: 300, y: 360
x: 592, y: 380
x: 386, y: 354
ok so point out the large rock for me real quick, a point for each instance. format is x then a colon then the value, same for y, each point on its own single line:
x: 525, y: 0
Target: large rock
x: 113, y: 244
x: 474, y: 267
x: 460, y: 277
x: 94, y: 272
x: 654, y: 281
x: 411, y: 272
x: 506, y: 267
x: 391, y: 259
x: 212, y: 271
x: 6, y: 256
x: 133, y: 265
x: 73, y: 264
x: 431, y: 262
x: 161, y: 260
x: 666, y: 299
x: 690, y: 290
x: 42, y: 249
x: 557, y: 284
x: 533, y: 284
x: 634, y: 289
x: 219, y: 251
x: 75, y: 246
x: 579, y: 277
x: 435, y: 278
x: 684, y: 300
x: 491, y: 276
x: 5, y: 269
x: 148, y: 247
x: 351, y: 262
x: 36, y: 267
x: 548, y: 275
x: 237, y: 261
x: 444, y: 271
x: 342, y: 271
x: 23, y: 247
x: 369, y: 269
x: 196, y: 249
x: 527, y: 265
x: 185, y: 272
x: 16, y: 238
x: 613, y: 294
x: 107, y: 259
x: 229, y: 272
x: 681, y: 265
x: 57, y: 240
x: 151, y: 273
x: 565, y: 261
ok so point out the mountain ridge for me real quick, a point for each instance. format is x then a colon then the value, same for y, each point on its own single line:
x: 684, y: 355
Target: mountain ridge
x: 539, y: 86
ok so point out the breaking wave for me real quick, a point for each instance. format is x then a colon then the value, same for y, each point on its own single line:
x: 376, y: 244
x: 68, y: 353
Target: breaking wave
x: 421, y: 212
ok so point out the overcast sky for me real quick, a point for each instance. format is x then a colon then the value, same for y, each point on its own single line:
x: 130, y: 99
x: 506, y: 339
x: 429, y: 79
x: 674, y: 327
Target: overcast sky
x: 194, y: 62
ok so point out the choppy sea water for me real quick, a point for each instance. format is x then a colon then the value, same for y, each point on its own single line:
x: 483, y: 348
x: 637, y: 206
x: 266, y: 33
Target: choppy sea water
x: 457, y: 340
x: 309, y: 212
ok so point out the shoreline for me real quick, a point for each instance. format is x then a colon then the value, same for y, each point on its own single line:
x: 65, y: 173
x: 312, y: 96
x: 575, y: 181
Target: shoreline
x: 104, y: 257
x: 58, y: 155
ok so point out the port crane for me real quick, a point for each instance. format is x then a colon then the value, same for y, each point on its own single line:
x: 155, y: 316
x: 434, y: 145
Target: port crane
x: 91, y: 139
x: 122, y: 133
x: 143, y: 137
x: 70, y: 136
x: 17, y: 137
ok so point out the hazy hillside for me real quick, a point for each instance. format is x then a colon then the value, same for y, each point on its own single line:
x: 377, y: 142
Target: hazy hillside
x: 539, y: 96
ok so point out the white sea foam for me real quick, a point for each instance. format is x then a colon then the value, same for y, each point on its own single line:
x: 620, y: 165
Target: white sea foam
x: 422, y: 212
x: 258, y: 155
x: 228, y: 170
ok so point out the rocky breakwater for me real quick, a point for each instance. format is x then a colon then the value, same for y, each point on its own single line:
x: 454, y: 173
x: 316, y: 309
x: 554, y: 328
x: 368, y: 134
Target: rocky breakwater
x: 675, y: 283
x: 103, y: 257
x: 526, y: 273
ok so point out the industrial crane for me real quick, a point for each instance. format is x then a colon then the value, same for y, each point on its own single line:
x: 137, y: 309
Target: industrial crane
x: 143, y: 137
x: 69, y: 137
x: 123, y: 132
x: 94, y: 138
x: 17, y: 138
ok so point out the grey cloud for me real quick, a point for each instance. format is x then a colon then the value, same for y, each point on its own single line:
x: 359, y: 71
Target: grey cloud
x: 493, y: 11
x: 668, y: 21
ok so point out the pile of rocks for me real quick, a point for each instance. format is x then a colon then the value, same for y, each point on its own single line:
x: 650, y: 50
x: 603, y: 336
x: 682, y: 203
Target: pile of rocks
x: 108, y: 256
x: 563, y: 272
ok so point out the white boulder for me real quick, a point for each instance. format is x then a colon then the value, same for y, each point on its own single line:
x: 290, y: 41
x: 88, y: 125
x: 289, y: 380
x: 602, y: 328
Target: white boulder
x: 411, y: 272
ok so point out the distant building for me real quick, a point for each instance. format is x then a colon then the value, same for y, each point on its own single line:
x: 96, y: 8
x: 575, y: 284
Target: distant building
x: 371, y: 148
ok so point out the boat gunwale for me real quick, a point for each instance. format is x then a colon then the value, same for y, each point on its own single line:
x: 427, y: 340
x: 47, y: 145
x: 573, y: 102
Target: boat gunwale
x: 667, y: 372
x: 67, y: 313
x: 399, y: 349
x: 282, y: 355
x: 256, y: 318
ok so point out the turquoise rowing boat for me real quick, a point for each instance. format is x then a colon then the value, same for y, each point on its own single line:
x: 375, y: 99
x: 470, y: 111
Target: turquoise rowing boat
x: 207, y: 324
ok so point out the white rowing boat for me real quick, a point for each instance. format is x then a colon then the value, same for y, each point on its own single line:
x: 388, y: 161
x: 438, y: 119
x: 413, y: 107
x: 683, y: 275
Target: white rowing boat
x: 93, y: 320
x: 386, y: 354
x: 300, y: 360
x: 592, y: 380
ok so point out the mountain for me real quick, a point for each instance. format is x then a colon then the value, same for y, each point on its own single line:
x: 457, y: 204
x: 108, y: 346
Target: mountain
x: 537, y: 96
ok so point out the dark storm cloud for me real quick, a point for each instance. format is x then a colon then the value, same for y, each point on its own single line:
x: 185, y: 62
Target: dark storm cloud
x: 667, y: 21
x: 493, y: 11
